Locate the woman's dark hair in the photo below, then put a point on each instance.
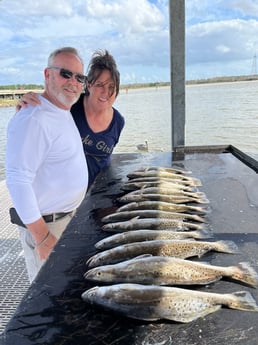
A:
(100, 61)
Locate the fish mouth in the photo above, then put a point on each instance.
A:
(90, 261)
(91, 273)
(88, 294)
(86, 275)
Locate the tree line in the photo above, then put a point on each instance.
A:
(21, 87)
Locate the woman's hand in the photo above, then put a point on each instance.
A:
(28, 98)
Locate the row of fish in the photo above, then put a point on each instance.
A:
(159, 227)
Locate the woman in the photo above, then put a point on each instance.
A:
(98, 122)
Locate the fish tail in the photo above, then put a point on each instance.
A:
(193, 194)
(196, 226)
(199, 209)
(200, 194)
(227, 247)
(245, 273)
(199, 218)
(242, 300)
(191, 181)
(187, 189)
(202, 234)
(201, 200)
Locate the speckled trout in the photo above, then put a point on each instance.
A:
(160, 270)
(152, 224)
(150, 179)
(162, 188)
(147, 195)
(149, 235)
(167, 190)
(168, 169)
(162, 206)
(166, 174)
(171, 187)
(176, 248)
(176, 184)
(151, 302)
(126, 215)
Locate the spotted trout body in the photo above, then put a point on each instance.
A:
(151, 302)
(175, 248)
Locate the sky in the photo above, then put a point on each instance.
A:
(221, 37)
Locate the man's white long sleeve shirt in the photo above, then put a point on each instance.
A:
(46, 170)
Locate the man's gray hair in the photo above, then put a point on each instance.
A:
(58, 51)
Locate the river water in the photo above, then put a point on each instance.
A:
(216, 114)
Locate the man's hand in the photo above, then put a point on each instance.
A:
(44, 240)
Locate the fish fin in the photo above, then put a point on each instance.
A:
(196, 226)
(202, 234)
(200, 209)
(199, 194)
(199, 218)
(134, 218)
(196, 182)
(242, 300)
(142, 256)
(245, 273)
(227, 247)
(202, 200)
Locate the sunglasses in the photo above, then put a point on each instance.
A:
(66, 74)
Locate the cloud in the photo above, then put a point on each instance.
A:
(245, 7)
(126, 17)
(224, 40)
(128, 29)
(221, 36)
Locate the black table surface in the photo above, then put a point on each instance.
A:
(52, 311)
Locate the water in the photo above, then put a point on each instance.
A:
(147, 115)
(223, 113)
(216, 114)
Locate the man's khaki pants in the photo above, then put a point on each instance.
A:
(32, 260)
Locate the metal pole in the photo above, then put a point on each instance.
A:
(177, 68)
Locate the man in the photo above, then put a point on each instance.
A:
(46, 171)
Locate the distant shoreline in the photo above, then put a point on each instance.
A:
(223, 79)
(5, 102)
(227, 79)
